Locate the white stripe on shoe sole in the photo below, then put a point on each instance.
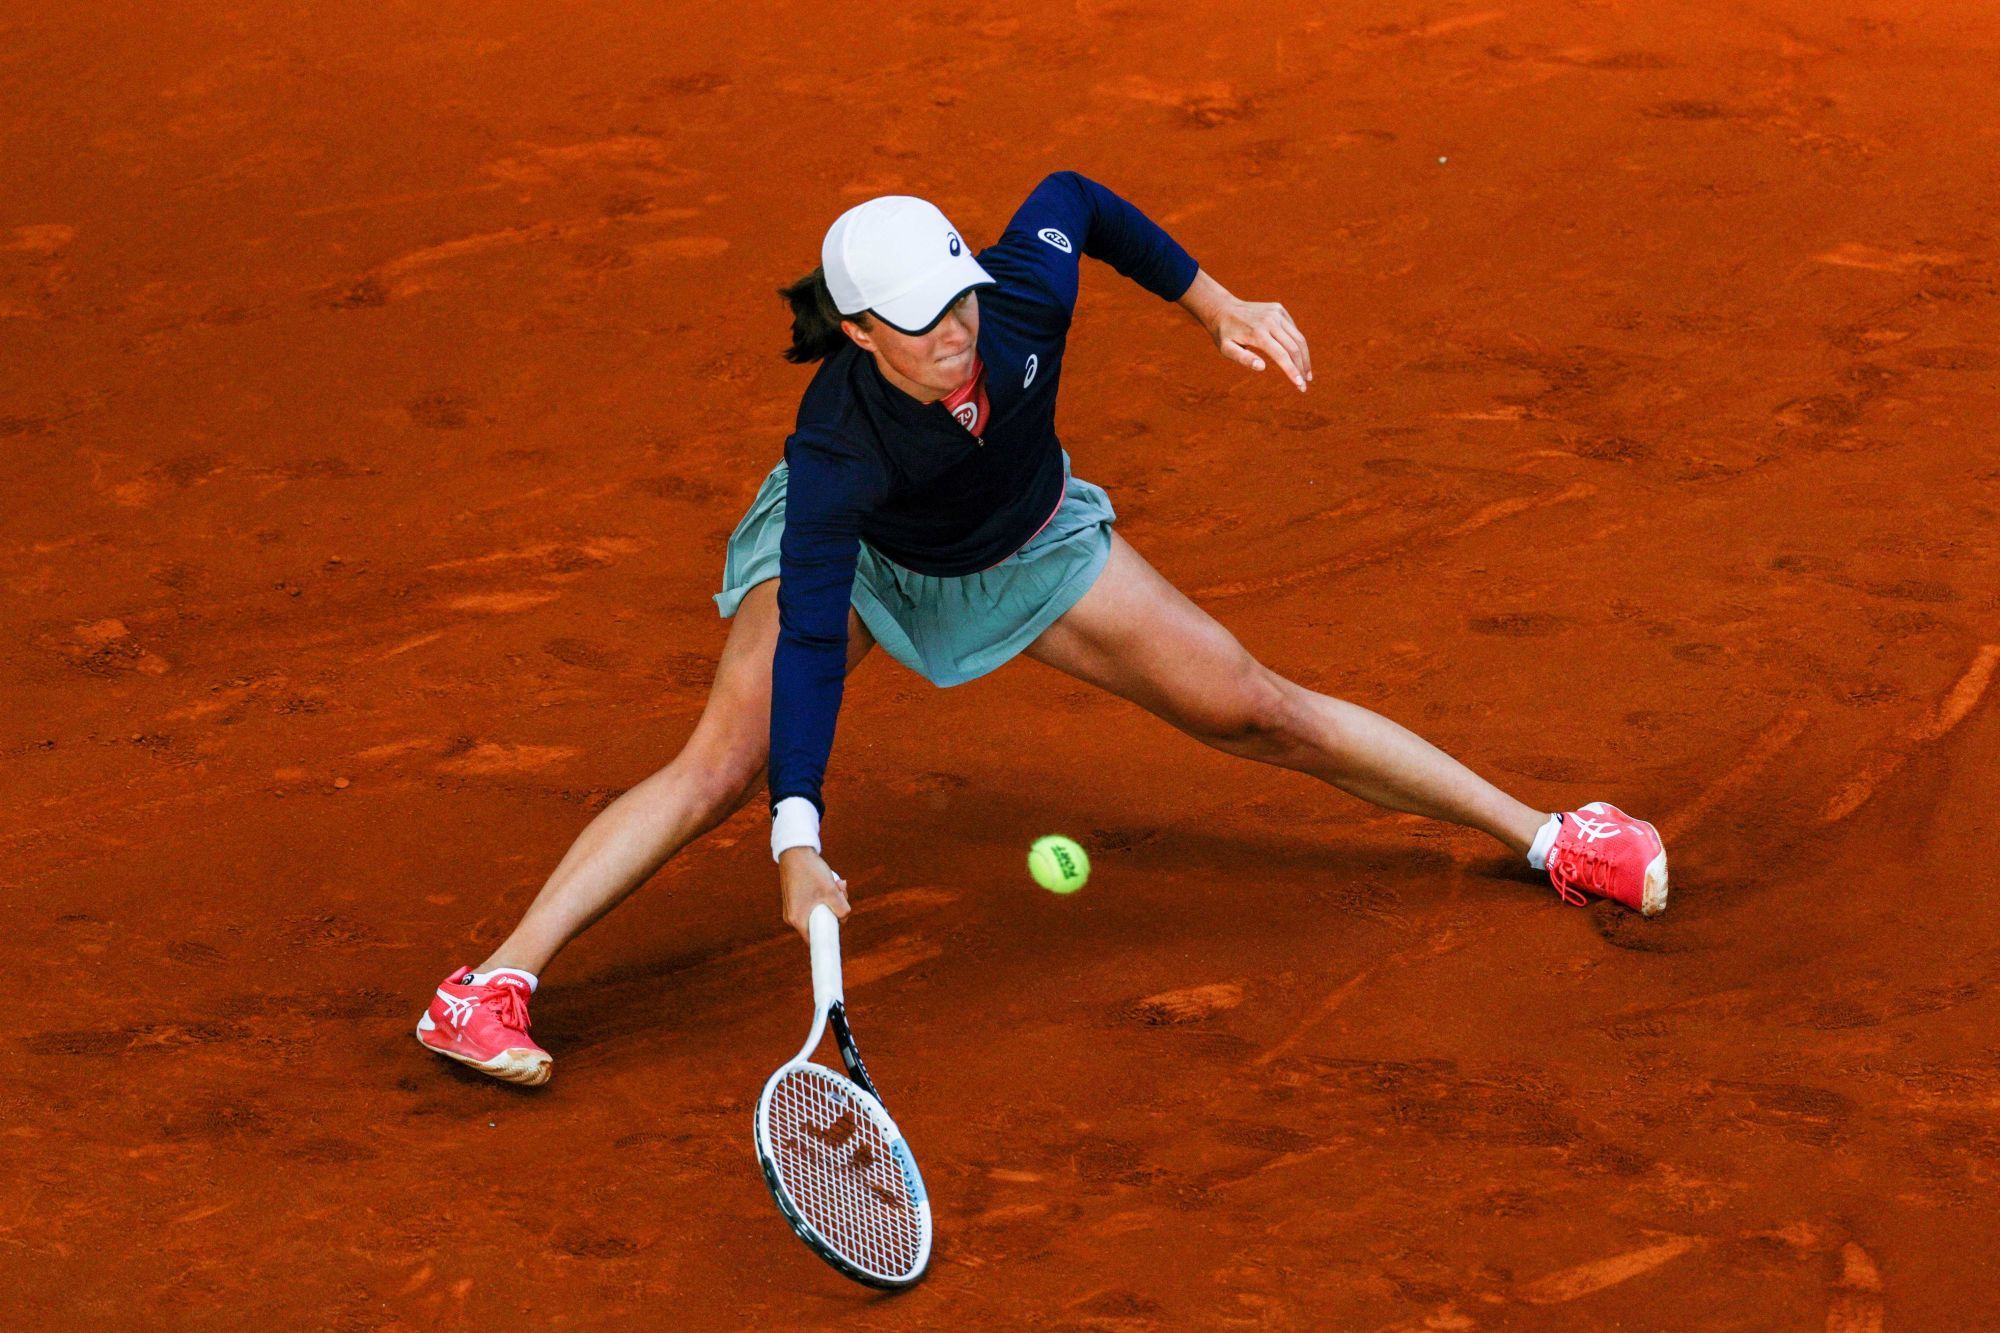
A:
(1653, 898)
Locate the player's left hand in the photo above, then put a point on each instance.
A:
(1252, 332)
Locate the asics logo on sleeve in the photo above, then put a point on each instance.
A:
(1057, 239)
(1034, 364)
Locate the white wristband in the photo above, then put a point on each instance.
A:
(794, 823)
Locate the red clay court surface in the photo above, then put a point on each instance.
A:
(381, 382)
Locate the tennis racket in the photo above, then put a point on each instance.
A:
(835, 1161)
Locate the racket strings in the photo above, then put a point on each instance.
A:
(842, 1172)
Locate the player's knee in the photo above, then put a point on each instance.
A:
(1250, 715)
(721, 781)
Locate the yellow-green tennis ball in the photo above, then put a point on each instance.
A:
(1058, 864)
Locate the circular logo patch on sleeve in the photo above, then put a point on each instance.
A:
(1057, 239)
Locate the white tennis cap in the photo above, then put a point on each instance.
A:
(900, 258)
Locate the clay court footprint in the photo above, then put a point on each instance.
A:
(493, 757)
(1191, 1005)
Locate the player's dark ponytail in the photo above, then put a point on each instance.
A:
(816, 331)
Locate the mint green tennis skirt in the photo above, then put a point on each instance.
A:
(947, 630)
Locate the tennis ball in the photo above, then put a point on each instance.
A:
(1058, 865)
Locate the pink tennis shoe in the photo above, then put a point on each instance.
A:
(1600, 851)
(486, 1026)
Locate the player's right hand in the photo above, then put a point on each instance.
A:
(804, 882)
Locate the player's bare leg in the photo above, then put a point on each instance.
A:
(1137, 636)
(720, 768)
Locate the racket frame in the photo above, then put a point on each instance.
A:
(830, 1010)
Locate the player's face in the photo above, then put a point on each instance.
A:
(925, 365)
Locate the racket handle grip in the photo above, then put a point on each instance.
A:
(823, 930)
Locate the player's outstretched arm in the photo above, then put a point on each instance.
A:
(1247, 332)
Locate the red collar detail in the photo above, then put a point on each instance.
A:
(967, 403)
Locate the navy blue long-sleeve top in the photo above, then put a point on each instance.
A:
(870, 463)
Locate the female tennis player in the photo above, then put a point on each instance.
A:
(924, 503)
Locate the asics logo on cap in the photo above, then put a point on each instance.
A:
(955, 246)
(1057, 239)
